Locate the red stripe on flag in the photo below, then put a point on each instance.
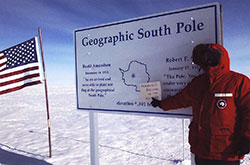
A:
(19, 87)
(3, 70)
(1, 57)
(19, 72)
(3, 64)
(19, 79)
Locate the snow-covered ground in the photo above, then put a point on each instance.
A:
(123, 139)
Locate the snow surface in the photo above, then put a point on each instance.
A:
(123, 139)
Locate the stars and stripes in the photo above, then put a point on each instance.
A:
(19, 66)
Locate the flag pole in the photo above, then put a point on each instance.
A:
(46, 92)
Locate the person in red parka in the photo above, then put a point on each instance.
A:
(219, 132)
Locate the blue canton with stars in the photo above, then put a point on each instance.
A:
(21, 54)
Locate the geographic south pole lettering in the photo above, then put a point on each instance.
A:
(142, 33)
(112, 60)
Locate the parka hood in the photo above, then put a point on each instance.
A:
(222, 66)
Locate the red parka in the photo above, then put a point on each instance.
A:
(220, 100)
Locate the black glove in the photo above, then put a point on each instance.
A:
(244, 147)
(155, 103)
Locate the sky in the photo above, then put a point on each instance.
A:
(59, 18)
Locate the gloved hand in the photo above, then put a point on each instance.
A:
(244, 147)
(155, 103)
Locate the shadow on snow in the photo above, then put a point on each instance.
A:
(10, 158)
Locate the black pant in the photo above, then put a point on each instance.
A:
(199, 161)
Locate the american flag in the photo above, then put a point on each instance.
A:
(19, 66)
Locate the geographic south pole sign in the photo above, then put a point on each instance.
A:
(112, 60)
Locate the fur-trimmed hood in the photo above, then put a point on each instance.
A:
(223, 65)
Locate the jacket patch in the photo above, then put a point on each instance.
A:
(221, 104)
(224, 129)
(223, 95)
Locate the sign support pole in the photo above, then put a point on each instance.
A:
(192, 155)
(183, 139)
(93, 130)
(46, 92)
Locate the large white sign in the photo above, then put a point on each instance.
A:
(112, 60)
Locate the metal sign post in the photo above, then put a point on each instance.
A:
(93, 130)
